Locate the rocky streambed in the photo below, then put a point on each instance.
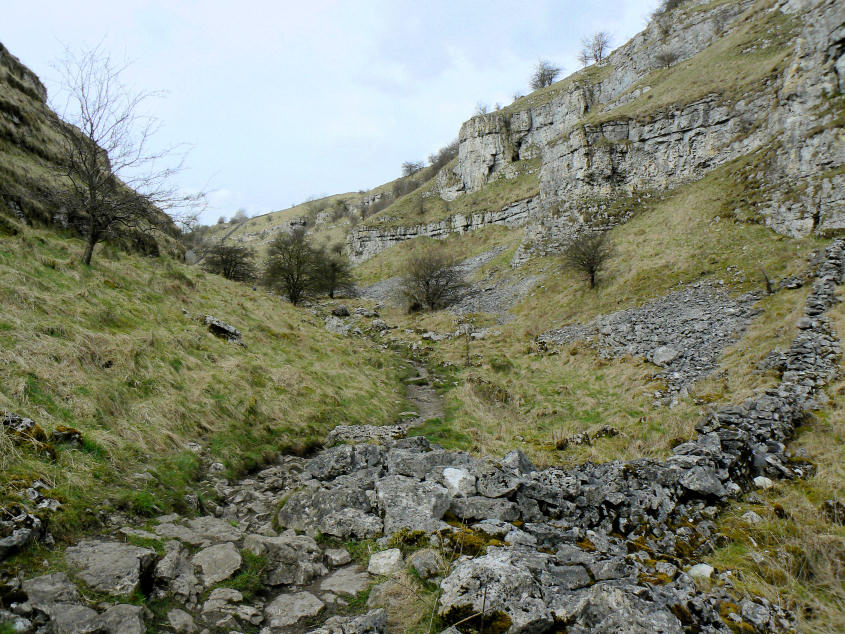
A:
(510, 547)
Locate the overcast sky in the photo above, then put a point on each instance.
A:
(284, 100)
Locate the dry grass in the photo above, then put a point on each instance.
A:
(497, 194)
(389, 262)
(796, 556)
(108, 350)
(757, 47)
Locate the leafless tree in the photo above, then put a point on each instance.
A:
(233, 262)
(411, 167)
(595, 48)
(544, 75)
(432, 279)
(588, 253)
(240, 216)
(666, 58)
(291, 265)
(439, 159)
(116, 181)
(480, 108)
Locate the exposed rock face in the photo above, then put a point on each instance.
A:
(680, 143)
(787, 122)
(366, 242)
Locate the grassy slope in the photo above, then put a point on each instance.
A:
(108, 350)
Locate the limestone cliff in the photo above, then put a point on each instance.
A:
(753, 85)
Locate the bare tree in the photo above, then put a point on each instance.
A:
(410, 168)
(432, 279)
(544, 75)
(595, 48)
(240, 216)
(116, 182)
(480, 108)
(439, 159)
(233, 262)
(588, 253)
(666, 58)
(290, 267)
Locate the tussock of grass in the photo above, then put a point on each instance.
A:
(109, 351)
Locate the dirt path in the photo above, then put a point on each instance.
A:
(426, 400)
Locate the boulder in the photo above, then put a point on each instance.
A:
(337, 557)
(288, 610)
(373, 622)
(111, 567)
(459, 482)
(221, 329)
(124, 619)
(354, 523)
(217, 563)
(482, 508)
(386, 562)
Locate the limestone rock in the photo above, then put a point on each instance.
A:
(426, 562)
(217, 563)
(110, 567)
(347, 581)
(288, 610)
(124, 619)
(181, 621)
(386, 562)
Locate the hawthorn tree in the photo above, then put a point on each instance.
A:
(544, 75)
(432, 279)
(588, 253)
(333, 274)
(233, 262)
(116, 182)
(291, 265)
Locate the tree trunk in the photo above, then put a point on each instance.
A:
(89, 249)
(592, 279)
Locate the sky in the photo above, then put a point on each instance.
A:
(280, 101)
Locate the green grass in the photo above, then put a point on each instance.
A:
(389, 262)
(757, 48)
(109, 351)
(497, 194)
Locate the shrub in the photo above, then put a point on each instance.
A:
(231, 261)
(544, 75)
(432, 280)
(588, 253)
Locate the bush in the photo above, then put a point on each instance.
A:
(432, 280)
(231, 261)
(544, 75)
(290, 267)
(333, 274)
(665, 58)
(588, 253)
(439, 159)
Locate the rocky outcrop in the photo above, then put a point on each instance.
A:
(788, 125)
(366, 242)
(684, 332)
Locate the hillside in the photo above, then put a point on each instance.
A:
(661, 453)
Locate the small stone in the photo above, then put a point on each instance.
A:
(762, 482)
(218, 562)
(338, 557)
(701, 571)
(181, 621)
(426, 562)
(386, 562)
(750, 517)
(287, 610)
(664, 355)
(347, 581)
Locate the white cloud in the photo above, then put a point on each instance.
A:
(286, 99)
